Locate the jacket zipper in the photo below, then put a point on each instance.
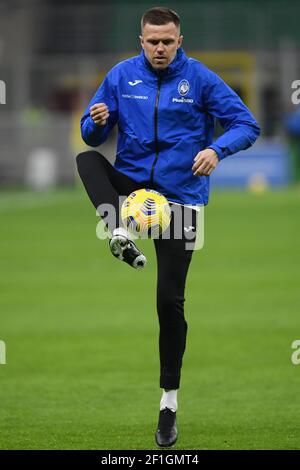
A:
(156, 129)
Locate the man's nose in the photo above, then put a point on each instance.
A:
(160, 47)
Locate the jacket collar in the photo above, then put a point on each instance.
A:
(172, 69)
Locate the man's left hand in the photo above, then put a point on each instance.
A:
(205, 162)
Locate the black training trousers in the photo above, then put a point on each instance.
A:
(104, 184)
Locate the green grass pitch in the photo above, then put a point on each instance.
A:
(81, 331)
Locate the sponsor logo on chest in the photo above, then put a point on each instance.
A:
(133, 96)
(183, 89)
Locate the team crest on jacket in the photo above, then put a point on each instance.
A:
(183, 87)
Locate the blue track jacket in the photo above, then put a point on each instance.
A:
(164, 119)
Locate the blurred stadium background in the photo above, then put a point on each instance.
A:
(81, 366)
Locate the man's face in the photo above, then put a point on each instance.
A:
(160, 43)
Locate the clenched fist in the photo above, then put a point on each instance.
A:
(205, 162)
(99, 113)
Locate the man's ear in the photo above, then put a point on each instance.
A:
(180, 41)
(142, 41)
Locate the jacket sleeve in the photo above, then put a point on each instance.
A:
(91, 133)
(241, 129)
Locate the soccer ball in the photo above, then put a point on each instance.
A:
(146, 213)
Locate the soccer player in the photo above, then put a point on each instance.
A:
(165, 105)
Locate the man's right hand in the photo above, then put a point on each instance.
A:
(99, 113)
